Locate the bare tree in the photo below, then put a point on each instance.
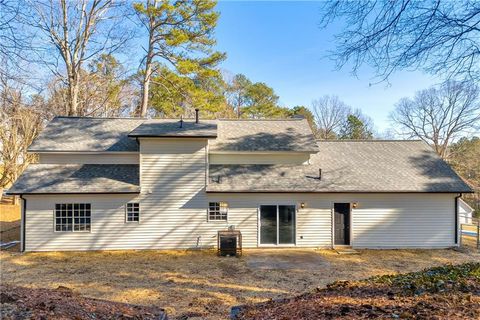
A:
(10, 41)
(66, 34)
(237, 91)
(439, 37)
(439, 115)
(330, 115)
(19, 125)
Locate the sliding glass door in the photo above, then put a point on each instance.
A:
(277, 224)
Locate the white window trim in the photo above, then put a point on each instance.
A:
(139, 213)
(73, 217)
(216, 220)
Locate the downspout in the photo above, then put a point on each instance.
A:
(456, 218)
(23, 223)
(139, 164)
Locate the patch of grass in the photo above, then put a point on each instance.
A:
(432, 280)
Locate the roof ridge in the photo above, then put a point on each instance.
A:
(367, 140)
(178, 119)
(280, 119)
(99, 118)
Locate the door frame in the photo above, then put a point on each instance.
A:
(277, 245)
(350, 222)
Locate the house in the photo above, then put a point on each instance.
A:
(116, 183)
(465, 212)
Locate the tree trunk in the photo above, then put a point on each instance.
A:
(145, 89)
(148, 63)
(72, 95)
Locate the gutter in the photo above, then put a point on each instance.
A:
(73, 192)
(456, 217)
(336, 192)
(23, 223)
(174, 136)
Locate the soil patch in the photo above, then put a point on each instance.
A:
(200, 284)
(64, 303)
(286, 260)
(450, 292)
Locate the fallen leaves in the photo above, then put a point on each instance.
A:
(64, 303)
(451, 292)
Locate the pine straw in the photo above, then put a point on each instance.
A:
(198, 283)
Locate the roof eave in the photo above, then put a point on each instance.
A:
(218, 151)
(81, 151)
(332, 191)
(59, 193)
(172, 136)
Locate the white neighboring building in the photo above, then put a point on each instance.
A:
(465, 212)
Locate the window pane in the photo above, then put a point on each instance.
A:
(215, 213)
(268, 224)
(286, 224)
(72, 216)
(133, 212)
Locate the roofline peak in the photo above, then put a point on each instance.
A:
(279, 119)
(100, 118)
(367, 140)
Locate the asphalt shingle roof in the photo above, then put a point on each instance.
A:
(87, 134)
(118, 134)
(264, 135)
(347, 166)
(78, 178)
(175, 128)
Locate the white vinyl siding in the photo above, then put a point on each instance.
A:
(260, 158)
(313, 222)
(174, 212)
(404, 221)
(78, 158)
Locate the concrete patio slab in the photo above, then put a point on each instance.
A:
(284, 259)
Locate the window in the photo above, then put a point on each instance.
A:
(72, 217)
(133, 212)
(217, 210)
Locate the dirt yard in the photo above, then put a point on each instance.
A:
(200, 284)
(446, 292)
(9, 222)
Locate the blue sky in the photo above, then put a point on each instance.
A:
(280, 43)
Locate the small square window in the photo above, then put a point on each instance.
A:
(133, 212)
(217, 211)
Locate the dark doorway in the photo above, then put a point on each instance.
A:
(342, 223)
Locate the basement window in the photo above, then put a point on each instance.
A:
(133, 212)
(217, 211)
(73, 217)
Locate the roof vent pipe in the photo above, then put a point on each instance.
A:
(196, 115)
